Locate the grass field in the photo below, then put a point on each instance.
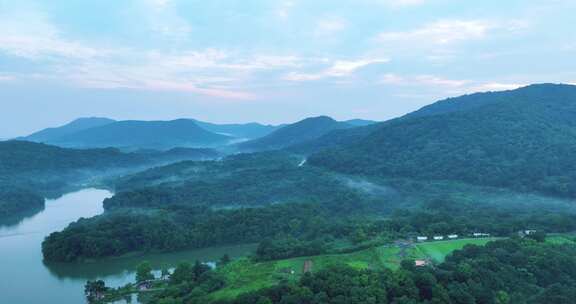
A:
(437, 251)
(561, 239)
(244, 275)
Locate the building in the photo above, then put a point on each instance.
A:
(420, 263)
(525, 233)
(479, 234)
(421, 238)
(438, 238)
(453, 236)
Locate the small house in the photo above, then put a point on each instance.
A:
(453, 236)
(420, 263)
(525, 233)
(438, 238)
(422, 238)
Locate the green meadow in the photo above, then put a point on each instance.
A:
(244, 275)
(437, 251)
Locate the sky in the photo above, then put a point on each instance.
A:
(270, 61)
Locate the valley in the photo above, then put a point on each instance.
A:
(296, 203)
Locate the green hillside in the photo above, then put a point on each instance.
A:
(293, 134)
(522, 139)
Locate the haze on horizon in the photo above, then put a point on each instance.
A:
(268, 61)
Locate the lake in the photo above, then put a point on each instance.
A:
(26, 279)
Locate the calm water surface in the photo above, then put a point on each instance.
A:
(26, 279)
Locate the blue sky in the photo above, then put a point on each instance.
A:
(269, 61)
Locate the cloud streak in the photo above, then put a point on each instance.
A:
(340, 68)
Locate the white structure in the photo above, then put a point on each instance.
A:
(479, 234)
(438, 238)
(453, 236)
(422, 238)
(420, 263)
(529, 232)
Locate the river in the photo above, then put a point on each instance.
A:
(26, 279)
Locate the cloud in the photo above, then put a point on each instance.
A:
(163, 19)
(339, 68)
(401, 3)
(30, 34)
(211, 72)
(439, 33)
(284, 9)
(445, 86)
(7, 77)
(425, 80)
(330, 26)
(495, 86)
(441, 41)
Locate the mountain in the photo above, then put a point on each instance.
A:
(296, 133)
(240, 131)
(523, 139)
(334, 138)
(143, 135)
(80, 124)
(360, 122)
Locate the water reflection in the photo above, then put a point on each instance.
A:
(33, 281)
(127, 265)
(17, 219)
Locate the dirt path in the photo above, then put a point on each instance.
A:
(307, 266)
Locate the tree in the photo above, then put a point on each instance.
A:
(502, 297)
(94, 290)
(538, 236)
(199, 268)
(182, 273)
(165, 273)
(144, 272)
(225, 259)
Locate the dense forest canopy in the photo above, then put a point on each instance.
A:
(523, 139)
(237, 181)
(17, 201)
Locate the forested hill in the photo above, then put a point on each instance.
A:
(144, 134)
(44, 168)
(525, 139)
(296, 133)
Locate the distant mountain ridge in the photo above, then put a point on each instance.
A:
(144, 134)
(80, 124)
(249, 130)
(360, 122)
(294, 134)
(103, 132)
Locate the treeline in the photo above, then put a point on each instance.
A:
(15, 201)
(175, 228)
(289, 230)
